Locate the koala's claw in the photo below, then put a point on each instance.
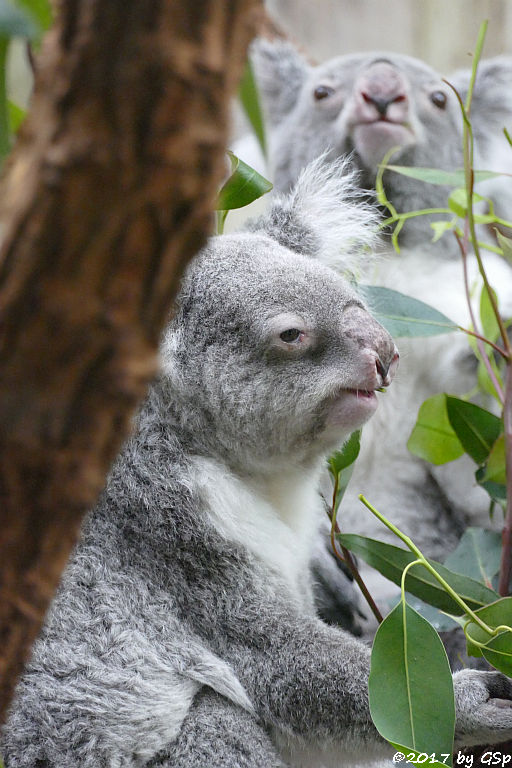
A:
(483, 705)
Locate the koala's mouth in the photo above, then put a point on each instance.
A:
(364, 393)
(373, 139)
(351, 408)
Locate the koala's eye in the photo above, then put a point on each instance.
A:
(439, 99)
(322, 92)
(291, 335)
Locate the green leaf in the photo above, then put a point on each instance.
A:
(437, 176)
(341, 465)
(410, 685)
(404, 316)
(16, 22)
(347, 455)
(249, 97)
(433, 438)
(441, 621)
(478, 555)
(440, 227)
(16, 116)
(497, 491)
(458, 201)
(39, 10)
(498, 650)
(390, 561)
(476, 428)
(505, 244)
(243, 186)
(490, 327)
(495, 469)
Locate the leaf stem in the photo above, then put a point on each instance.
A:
(424, 562)
(348, 559)
(498, 349)
(463, 245)
(506, 551)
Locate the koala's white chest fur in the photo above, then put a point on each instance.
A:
(275, 519)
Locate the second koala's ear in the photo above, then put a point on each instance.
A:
(280, 73)
(492, 96)
(326, 216)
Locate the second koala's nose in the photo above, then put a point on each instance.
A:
(381, 86)
(386, 368)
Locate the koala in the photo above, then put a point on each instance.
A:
(184, 632)
(361, 106)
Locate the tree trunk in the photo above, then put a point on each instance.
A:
(108, 193)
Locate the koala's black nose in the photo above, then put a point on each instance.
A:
(387, 368)
(380, 104)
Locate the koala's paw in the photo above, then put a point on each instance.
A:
(483, 705)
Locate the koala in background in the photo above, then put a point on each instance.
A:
(184, 633)
(363, 105)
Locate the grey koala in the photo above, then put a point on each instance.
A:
(361, 106)
(365, 104)
(184, 632)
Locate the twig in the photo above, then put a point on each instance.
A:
(479, 339)
(506, 551)
(348, 559)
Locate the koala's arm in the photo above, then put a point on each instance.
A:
(309, 682)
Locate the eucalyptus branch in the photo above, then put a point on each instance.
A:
(498, 349)
(481, 348)
(348, 559)
(468, 148)
(506, 560)
(422, 560)
(506, 399)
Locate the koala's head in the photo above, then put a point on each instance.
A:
(364, 104)
(271, 356)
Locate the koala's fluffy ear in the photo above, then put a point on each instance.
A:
(326, 216)
(280, 72)
(492, 95)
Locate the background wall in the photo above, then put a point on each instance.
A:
(441, 32)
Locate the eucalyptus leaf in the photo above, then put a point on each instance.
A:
(498, 652)
(433, 437)
(437, 176)
(249, 97)
(341, 465)
(505, 244)
(497, 491)
(39, 10)
(16, 116)
(441, 621)
(391, 561)
(404, 316)
(346, 455)
(498, 649)
(490, 327)
(409, 707)
(243, 186)
(440, 227)
(476, 428)
(495, 469)
(477, 555)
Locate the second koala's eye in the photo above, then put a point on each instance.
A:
(322, 92)
(439, 99)
(291, 335)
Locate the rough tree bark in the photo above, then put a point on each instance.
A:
(109, 192)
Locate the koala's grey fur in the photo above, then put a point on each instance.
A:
(431, 504)
(184, 632)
